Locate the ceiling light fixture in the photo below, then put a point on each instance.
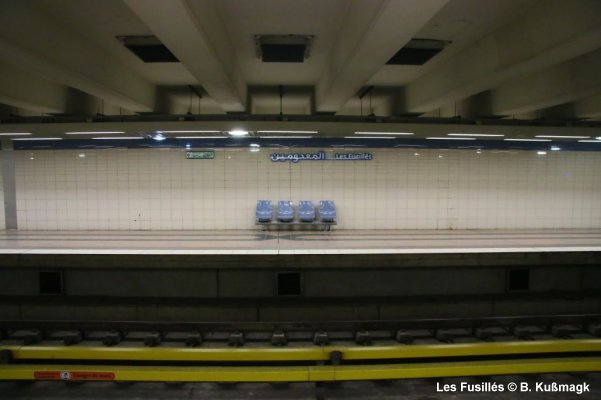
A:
(201, 137)
(541, 153)
(287, 131)
(39, 138)
(476, 134)
(368, 137)
(590, 141)
(188, 131)
(238, 133)
(528, 140)
(285, 137)
(555, 148)
(15, 133)
(384, 133)
(450, 138)
(118, 138)
(562, 137)
(94, 133)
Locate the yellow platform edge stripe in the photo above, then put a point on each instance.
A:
(308, 373)
(309, 353)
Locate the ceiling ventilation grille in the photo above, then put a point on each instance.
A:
(149, 49)
(418, 52)
(283, 48)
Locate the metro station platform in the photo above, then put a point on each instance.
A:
(298, 275)
(300, 242)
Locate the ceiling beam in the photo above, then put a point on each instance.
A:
(370, 35)
(179, 99)
(63, 56)
(210, 59)
(576, 79)
(21, 89)
(589, 108)
(5, 110)
(552, 32)
(270, 99)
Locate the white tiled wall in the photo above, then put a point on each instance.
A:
(2, 216)
(133, 189)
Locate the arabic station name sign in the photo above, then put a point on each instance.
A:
(320, 156)
(200, 155)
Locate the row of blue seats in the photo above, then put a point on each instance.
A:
(306, 211)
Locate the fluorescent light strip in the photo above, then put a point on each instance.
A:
(94, 133)
(238, 133)
(39, 138)
(562, 137)
(188, 131)
(287, 131)
(384, 133)
(368, 137)
(285, 137)
(15, 133)
(475, 134)
(201, 137)
(117, 138)
(450, 138)
(528, 140)
(590, 141)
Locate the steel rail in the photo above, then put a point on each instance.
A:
(267, 326)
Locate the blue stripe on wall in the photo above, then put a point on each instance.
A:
(315, 142)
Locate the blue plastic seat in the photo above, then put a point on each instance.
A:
(285, 211)
(306, 211)
(327, 211)
(264, 211)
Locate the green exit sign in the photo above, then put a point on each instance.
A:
(200, 155)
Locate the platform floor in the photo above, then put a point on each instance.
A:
(298, 242)
(410, 389)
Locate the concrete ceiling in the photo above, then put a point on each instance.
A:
(506, 58)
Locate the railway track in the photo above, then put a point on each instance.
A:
(154, 333)
(269, 352)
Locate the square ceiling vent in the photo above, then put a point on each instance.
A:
(149, 49)
(418, 52)
(283, 48)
